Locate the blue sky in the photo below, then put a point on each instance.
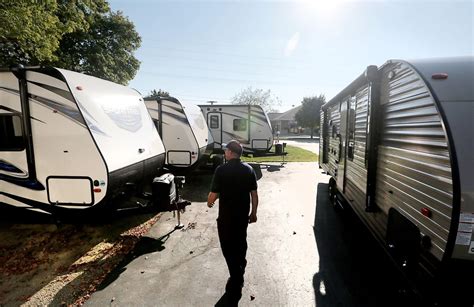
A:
(211, 50)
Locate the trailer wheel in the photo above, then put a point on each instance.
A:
(332, 189)
(403, 238)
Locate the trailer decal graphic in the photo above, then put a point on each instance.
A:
(182, 119)
(63, 109)
(175, 109)
(125, 116)
(246, 117)
(26, 183)
(63, 93)
(5, 166)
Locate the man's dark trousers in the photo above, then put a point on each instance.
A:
(233, 239)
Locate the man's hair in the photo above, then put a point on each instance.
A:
(235, 147)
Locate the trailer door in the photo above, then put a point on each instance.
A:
(214, 121)
(341, 162)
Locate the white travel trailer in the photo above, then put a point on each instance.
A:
(247, 124)
(398, 143)
(68, 140)
(182, 127)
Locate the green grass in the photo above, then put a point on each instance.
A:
(295, 154)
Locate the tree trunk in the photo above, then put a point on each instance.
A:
(312, 131)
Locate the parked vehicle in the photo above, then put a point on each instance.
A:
(247, 124)
(397, 143)
(68, 140)
(183, 129)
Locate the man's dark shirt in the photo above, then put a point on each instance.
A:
(234, 181)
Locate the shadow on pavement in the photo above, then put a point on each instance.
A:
(269, 167)
(92, 216)
(354, 270)
(145, 245)
(197, 186)
(13, 215)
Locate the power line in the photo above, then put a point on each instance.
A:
(201, 68)
(202, 60)
(220, 79)
(259, 57)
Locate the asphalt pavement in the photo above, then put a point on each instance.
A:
(301, 253)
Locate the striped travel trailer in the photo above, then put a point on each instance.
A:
(72, 141)
(183, 130)
(398, 145)
(248, 124)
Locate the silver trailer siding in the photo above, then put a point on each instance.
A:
(398, 144)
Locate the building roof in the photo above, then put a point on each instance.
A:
(272, 116)
(288, 115)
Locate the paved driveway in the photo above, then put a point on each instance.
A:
(301, 253)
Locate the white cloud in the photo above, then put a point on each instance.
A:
(292, 44)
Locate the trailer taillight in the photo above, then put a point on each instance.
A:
(97, 190)
(426, 212)
(439, 76)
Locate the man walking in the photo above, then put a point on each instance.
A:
(234, 183)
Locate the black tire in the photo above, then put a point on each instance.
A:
(332, 190)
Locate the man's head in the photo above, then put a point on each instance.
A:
(233, 150)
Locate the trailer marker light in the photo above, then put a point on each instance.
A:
(97, 190)
(79, 88)
(426, 212)
(439, 76)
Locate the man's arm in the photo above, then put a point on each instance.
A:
(253, 213)
(211, 199)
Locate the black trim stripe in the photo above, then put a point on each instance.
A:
(10, 90)
(237, 117)
(10, 110)
(183, 120)
(179, 110)
(60, 92)
(32, 203)
(63, 109)
(6, 166)
(15, 111)
(236, 137)
(28, 183)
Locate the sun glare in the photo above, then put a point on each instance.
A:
(323, 8)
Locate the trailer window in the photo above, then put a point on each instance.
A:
(240, 124)
(11, 134)
(214, 122)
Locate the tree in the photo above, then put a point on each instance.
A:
(84, 36)
(157, 94)
(30, 31)
(257, 97)
(308, 115)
